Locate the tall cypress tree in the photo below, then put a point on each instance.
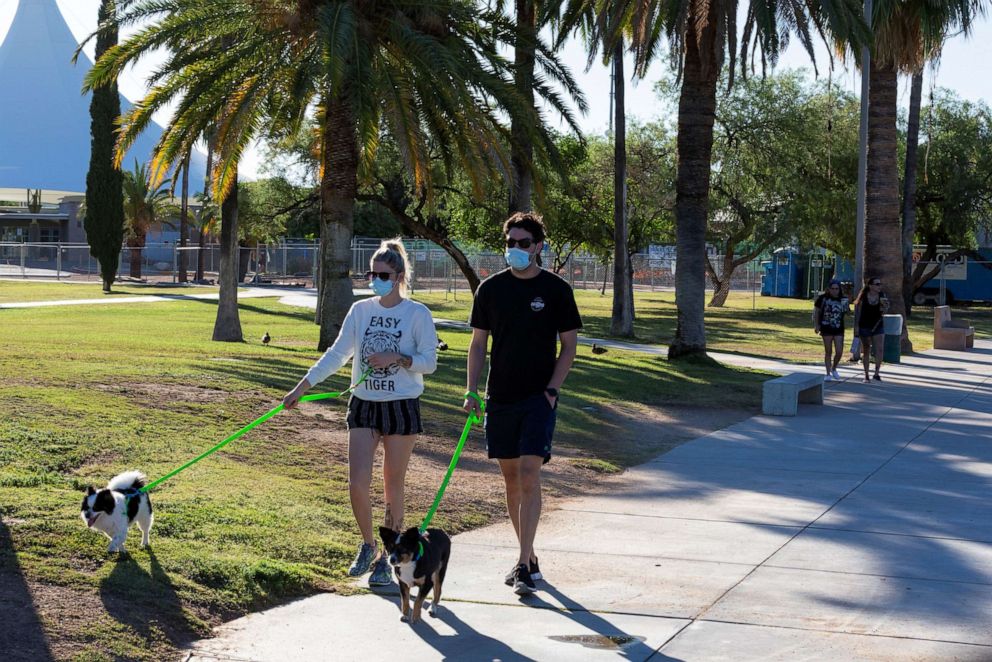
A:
(104, 221)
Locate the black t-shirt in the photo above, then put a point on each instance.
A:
(524, 316)
(832, 312)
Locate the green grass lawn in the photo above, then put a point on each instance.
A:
(12, 291)
(761, 326)
(89, 391)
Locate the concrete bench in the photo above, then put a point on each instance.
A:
(781, 396)
(948, 334)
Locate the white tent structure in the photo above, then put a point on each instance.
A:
(44, 117)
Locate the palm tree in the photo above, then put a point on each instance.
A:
(907, 33)
(702, 34)
(909, 189)
(531, 55)
(427, 72)
(144, 206)
(592, 18)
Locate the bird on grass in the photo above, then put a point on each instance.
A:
(266, 338)
(596, 349)
(441, 345)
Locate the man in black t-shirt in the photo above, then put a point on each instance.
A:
(528, 311)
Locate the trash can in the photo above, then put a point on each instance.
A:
(892, 325)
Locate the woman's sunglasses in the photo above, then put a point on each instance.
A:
(522, 243)
(381, 275)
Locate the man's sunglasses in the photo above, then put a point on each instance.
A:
(381, 275)
(522, 243)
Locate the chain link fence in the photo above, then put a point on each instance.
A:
(297, 262)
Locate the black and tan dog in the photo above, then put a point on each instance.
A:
(417, 560)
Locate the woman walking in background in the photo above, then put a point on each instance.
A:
(869, 307)
(828, 319)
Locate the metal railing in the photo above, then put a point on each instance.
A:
(432, 268)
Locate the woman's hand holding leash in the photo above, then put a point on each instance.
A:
(292, 398)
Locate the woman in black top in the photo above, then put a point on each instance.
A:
(869, 307)
(829, 311)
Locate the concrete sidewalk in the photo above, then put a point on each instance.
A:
(859, 530)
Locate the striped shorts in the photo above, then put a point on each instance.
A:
(387, 418)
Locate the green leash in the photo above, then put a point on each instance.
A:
(258, 421)
(472, 418)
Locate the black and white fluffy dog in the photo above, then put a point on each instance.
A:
(113, 509)
(417, 560)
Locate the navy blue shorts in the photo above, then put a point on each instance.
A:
(520, 428)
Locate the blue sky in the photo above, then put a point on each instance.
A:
(961, 69)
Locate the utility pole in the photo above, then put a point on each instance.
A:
(859, 251)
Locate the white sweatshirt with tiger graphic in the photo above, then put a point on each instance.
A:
(369, 328)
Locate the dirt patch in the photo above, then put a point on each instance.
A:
(164, 393)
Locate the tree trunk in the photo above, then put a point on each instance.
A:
(622, 323)
(697, 109)
(227, 327)
(200, 256)
(183, 220)
(418, 227)
(521, 148)
(136, 244)
(722, 281)
(338, 191)
(883, 231)
(909, 190)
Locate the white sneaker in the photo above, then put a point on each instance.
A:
(828, 378)
(836, 376)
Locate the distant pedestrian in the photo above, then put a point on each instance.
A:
(869, 307)
(829, 311)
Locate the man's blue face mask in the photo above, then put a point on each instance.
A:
(517, 258)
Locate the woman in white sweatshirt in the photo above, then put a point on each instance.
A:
(395, 337)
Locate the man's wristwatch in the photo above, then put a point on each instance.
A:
(553, 392)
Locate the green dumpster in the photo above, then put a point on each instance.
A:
(892, 325)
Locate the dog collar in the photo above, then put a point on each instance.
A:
(420, 547)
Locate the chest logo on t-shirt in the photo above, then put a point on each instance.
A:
(537, 305)
(380, 340)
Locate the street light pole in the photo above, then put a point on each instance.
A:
(859, 252)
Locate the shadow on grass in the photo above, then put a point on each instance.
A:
(147, 602)
(22, 636)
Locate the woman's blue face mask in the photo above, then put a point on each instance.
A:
(381, 287)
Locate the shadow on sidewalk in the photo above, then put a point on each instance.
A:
(455, 647)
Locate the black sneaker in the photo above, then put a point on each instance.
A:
(522, 582)
(535, 574)
(877, 378)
